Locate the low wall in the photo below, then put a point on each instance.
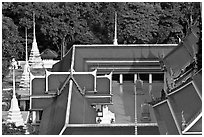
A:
(47, 63)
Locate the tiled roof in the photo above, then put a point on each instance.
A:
(49, 54)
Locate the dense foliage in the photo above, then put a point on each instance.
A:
(91, 23)
(11, 129)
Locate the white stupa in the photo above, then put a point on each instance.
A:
(115, 41)
(14, 114)
(35, 60)
(25, 80)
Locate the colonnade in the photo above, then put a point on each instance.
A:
(135, 78)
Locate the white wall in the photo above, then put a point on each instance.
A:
(47, 63)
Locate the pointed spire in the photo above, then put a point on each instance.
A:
(34, 37)
(25, 79)
(34, 58)
(26, 45)
(115, 42)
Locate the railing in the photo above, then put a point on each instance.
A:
(179, 86)
(193, 118)
(157, 100)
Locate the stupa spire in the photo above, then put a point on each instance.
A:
(115, 42)
(26, 45)
(34, 36)
(25, 76)
(34, 58)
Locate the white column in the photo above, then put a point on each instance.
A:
(34, 116)
(24, 105)
(37, 115)
(121, 78)
(150, 78)
(14, 84)
(150, 86)
(136, 132)
(135, 78)
(26, 47)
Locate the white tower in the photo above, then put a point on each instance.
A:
(14, 114)
(34, 59)
(25, 76)
(115, 41)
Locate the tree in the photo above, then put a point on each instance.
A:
(11, 129)
(11, 42)
(93, 22)
(169, 26)
(176, 19)
(139, 22)
(191, 12)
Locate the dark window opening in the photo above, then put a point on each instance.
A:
(144, 77)
(158, 77)
(20, 106)
(115, 77)
(40, 115)
(128, 77)
(27, 105)
(19, 103)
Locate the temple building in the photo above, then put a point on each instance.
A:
(179, 110)
(90, 78)
(130, 89)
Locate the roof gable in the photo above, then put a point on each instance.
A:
(49, 54)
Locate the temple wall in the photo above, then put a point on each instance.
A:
(46, 63)
(38, 86)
